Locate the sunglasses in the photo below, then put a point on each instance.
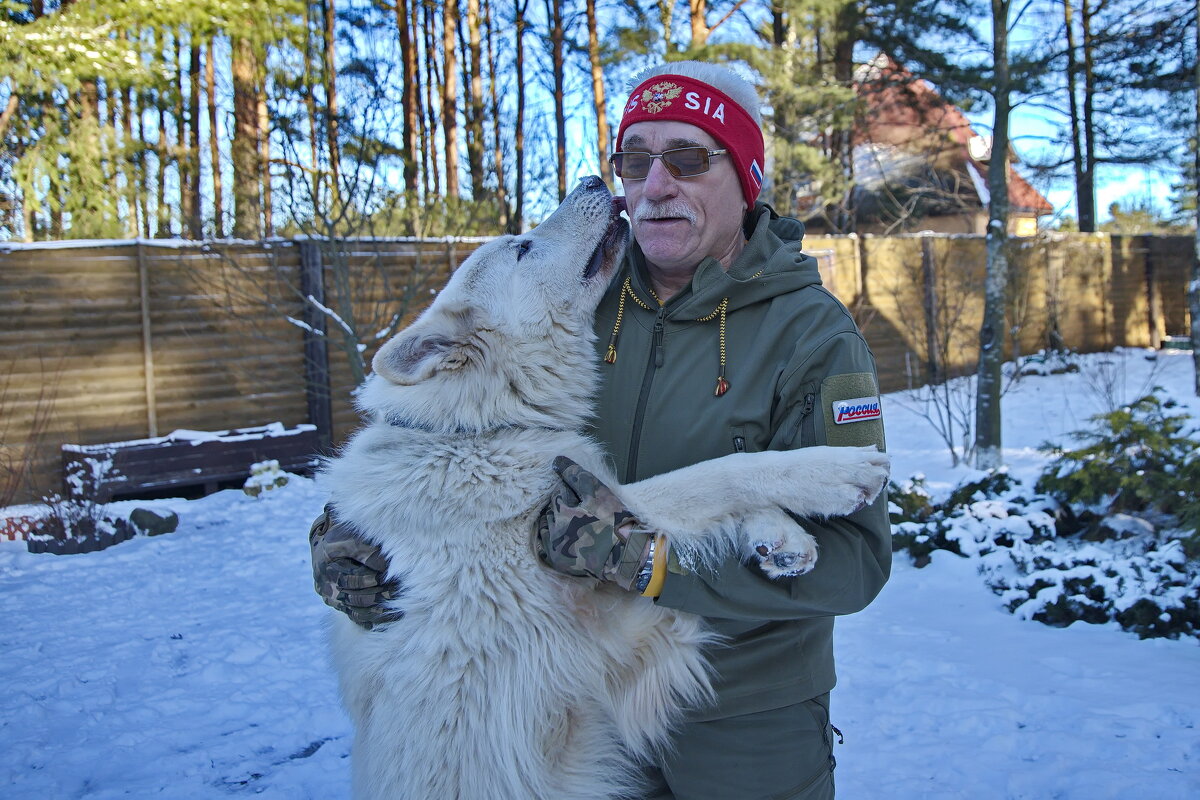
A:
(682, 162)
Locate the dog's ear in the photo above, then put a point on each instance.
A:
(414, 356)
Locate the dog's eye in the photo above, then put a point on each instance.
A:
(523, 248)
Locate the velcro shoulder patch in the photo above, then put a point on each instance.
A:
(856, 410)
(851, 408)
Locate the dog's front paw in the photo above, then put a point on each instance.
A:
(851, 478)
(779, 545)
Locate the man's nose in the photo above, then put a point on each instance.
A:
(660, 183)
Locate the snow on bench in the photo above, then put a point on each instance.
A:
(183, 459)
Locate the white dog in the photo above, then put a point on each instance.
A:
(504, 679)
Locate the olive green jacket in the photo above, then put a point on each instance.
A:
(791, 350)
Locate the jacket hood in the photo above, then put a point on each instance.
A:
(770, 264)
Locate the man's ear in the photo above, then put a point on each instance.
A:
(414, 356)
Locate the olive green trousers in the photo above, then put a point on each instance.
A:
(779, 754)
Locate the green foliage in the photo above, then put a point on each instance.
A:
(805, 100)
(68, 48)
(1139, 460)
(915, 528)
(1112, 535)
(1029, 551)
(77, 168)
(405, 214)
(992, 484)
(981, 515)
(1147, 588)
(68, 70)
(1140, 215)
(113, 42)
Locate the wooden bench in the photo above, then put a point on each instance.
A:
(184, 460)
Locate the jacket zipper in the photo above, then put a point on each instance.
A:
(656, 361)
(808, 428)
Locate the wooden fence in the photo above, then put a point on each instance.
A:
(115, 341)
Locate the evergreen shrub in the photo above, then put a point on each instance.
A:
(1109, 534)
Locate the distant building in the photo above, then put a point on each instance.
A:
(918, 165)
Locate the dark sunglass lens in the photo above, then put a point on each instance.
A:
(687, 161)
(631, 165)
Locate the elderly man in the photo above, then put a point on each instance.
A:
(716, 337)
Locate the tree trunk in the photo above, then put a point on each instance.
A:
(316, 175)
(247, 209)
(841, 144)
(666, 14)
(10, 110)
(1194, 286)
(331, 104)
(554, 11)
(183, 167)
(129, 163)
(214, 147)
(429, 153)
(264, 160)
(698, 9)
(1087, 222)
(1087, 197)
(195, 221)
(497, 148)
(598, 92)
(142, 160)
(988, 450)
(162, 228)
(475, 144)
(518, 217)
(450, 96)
(410, 98)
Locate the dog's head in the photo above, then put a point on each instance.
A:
(509, 339)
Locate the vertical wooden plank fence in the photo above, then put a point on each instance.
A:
(116, 341)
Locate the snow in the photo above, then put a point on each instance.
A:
(208, 244)
(269, 431)
(193, 665)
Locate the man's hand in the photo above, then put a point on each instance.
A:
(585, 530)
(348, 573)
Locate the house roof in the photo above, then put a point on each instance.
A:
(912, 124)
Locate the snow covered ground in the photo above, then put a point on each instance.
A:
(193, 665)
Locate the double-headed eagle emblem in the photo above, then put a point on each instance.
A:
(659, 96)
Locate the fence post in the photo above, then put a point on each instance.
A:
(147, 342)
(317, 385)
(1158, 327)
(929, 280)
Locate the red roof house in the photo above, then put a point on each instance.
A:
(918, 164)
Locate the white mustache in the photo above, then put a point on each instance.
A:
(650, 209)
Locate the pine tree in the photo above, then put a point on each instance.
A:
(1123, 60)
(125, 122)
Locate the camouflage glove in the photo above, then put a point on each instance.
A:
(585, 530)
(348, 573)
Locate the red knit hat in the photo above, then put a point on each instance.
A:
(683, 99)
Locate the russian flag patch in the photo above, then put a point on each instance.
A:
(856, 410)
(756, 172)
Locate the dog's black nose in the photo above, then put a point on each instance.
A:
(591, 182)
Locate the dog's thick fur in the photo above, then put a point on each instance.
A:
(505, 679)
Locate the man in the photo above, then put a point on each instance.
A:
(717, 337)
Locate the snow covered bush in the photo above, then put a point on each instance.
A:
(73, 525)
(264, 476)
(980, 515)
(1139, 461)
(1033, 551)
(1048, 362)
(1147, 587)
